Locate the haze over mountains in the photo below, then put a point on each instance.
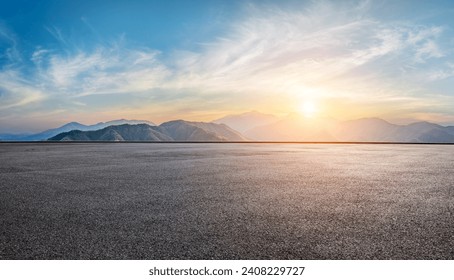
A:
(44, 135)
(251, 126)
(169, 131)
(246, 121)
(295, 127)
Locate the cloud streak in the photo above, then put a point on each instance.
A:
(16, 92)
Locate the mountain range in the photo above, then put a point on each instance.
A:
(169, 131)
(250, 126)
(246, 121)
(44, 135)
(295, 127)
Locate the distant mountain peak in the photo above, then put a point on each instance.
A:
(424, 123)
(245, 121)
(44, 135)
(371, 119)
(178, 130)
(73, 123)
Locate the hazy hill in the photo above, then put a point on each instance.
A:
(367, 129)
(426, 132)
(449, 129)
(54, 131)
(374, 129)
(295, 128)
(72, 126)
(200, 131)
(247, 121)
(169, 131)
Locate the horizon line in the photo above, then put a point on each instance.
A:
(231, 142)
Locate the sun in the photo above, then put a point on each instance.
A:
(308, 109)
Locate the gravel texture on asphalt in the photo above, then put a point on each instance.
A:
(226, 201)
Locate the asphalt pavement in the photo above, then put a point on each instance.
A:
(226, 201)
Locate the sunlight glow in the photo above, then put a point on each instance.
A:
(308, 109)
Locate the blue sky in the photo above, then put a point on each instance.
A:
(92, 61)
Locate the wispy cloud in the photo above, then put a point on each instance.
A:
(447, 71)
(106, 71)
(11, 52)
(423, 40)
(38, 56)
(314, 50)
(428, 50)
(17, 92)
(57, 34)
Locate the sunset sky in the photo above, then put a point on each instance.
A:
(91, 61)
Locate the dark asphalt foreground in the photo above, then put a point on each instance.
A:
(226, 201)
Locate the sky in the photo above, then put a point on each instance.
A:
(92, 61)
